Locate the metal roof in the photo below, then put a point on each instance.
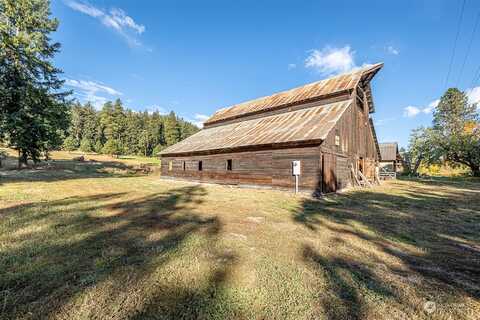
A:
(388, 151)
(300, 126)
(310, 92)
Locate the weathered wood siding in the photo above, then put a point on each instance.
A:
(355, 142)
(264, 168)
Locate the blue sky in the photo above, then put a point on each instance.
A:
(194, 57)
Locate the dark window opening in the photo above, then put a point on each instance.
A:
(200, 165)
(229, 165)
(184, 166)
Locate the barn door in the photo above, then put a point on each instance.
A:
(329, 178)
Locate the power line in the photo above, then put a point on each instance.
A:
(455, 43)
(476, 77)
(469, 47)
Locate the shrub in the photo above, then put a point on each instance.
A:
(70, 144)
(86, 145)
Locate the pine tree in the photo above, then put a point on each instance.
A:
(33, 112)
(173, 133)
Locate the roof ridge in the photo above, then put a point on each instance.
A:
(257, 106)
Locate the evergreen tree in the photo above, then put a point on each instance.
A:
(33, 111)
(173, 133)
(112, 147)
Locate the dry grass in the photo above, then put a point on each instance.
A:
(92, 244)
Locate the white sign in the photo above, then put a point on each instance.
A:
(296, 168)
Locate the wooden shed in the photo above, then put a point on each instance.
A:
(391, 161)
(324, 125)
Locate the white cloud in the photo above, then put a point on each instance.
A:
(291, 66)
(431, 106)
(329, 60)
(115, 19)
(85, 8)
(92, 91)
(91, 86)
(392, 50)
(198, 119)
(411, 111)
(119, 20)
(474, 95)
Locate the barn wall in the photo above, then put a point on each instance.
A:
(356, 141)
(264, 168)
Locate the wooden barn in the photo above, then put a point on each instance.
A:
(324, 127)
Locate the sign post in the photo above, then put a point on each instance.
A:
(296, 172)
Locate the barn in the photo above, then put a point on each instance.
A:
(324, 127)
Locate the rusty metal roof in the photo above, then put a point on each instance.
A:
(310, 92)
(300, 126)
(389, 151)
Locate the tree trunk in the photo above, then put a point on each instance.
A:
(417, 165)
(22, 159)
(475, 170)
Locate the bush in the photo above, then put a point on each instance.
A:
(70, 144)
(112, 147)
(86, 145)
(98, 146)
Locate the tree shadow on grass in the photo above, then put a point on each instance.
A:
(343, 278)
(442, 227)
(59, 170)
(61, 249)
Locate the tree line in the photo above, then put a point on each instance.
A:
(453, 137)
(36, 115)
(117, 130)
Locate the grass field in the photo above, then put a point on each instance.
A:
(95, 241)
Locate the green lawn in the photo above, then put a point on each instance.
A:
(96, 241)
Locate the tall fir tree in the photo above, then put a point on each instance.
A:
(33, 110)
(173, 133)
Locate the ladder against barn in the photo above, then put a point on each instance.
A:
(362, 181)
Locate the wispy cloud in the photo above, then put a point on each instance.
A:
(291, 66)
(431, 106)
(198, 119)
(115, 19)
(392, 50)
(91, 91)
(473, 95)
(412, 111)
(330, 60)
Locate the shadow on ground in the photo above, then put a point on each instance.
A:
(443, 225)
(66, 249)
(57, 170)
